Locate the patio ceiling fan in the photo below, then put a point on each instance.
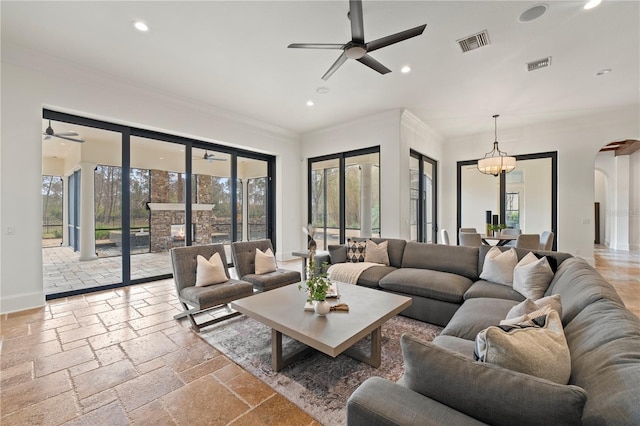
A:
(49, 133)
(357, 48)
(209, 157)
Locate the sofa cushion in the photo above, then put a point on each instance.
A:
(604, 341)
(489, 393)
(427, 283)
(372, 276)
(475, 315)
(437, 257)
(529, 306)
(456, 344)
(579, 285)
(537, 347)
(488, 289)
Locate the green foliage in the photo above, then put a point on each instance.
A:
(317, 286)
(102, 234)
(497, 227)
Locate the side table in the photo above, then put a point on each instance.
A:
(304, 254)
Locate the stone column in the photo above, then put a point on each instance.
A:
(87, 212)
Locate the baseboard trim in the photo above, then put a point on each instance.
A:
(21, 302)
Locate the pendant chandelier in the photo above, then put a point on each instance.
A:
(496, 161)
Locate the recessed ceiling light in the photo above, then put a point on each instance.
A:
(405, 69)
(323, 90)
(603, 72)
(591, 4)
(310, 103)
(140, 26)
(533, 13)
(62, 143)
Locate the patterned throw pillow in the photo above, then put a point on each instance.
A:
(356, 251)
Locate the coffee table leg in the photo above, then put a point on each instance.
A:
(278, 359)
(374, 359)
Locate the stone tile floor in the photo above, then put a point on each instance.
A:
(118, 357)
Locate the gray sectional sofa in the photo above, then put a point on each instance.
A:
(443, 385)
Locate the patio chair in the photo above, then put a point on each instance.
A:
(244, 260)
(528, 241)
(546, 240)
(199, 299)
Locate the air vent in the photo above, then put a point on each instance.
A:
(540, 63)
(475, 41)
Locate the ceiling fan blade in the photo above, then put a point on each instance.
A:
(67, 134)
(316, 46)
(341, 60)
(46, 137)
(357, 26)
(395, 38)
(69, 139)
(373, 64)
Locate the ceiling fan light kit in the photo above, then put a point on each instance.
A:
(496, 161)
(357, 48)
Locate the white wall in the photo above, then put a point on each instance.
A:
(620, 187)
(600, 196)
(396, 132)
(31, 82)
(577, 142)
(634, 201)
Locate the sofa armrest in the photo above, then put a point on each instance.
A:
(487, 392)
(382, 402)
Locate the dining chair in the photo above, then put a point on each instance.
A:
(444, 237)
(470, 239)
(468, 230)
(546, 240)
(528, 241)
(510, 231)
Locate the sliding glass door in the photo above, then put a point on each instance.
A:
(344, 196)
(132, 195)
(423, 175)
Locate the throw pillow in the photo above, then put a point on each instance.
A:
(532, 276)
(337, 253)
(210, 272)
(553, 262)
(376, 253)
(539, 349)
(265, 262)
(527, 306)
(498, 266)
(356, 251)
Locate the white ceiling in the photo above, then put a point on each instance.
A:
(233, 55)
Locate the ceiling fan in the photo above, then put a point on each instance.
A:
(209, 157)
(49, 133)
(356, 48)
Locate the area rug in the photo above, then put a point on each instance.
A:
(318, 384)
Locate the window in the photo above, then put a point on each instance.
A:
(344, 196)
(423, 197)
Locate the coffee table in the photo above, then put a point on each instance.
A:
(282, 309)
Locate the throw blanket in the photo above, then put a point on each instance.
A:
(348, 272)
